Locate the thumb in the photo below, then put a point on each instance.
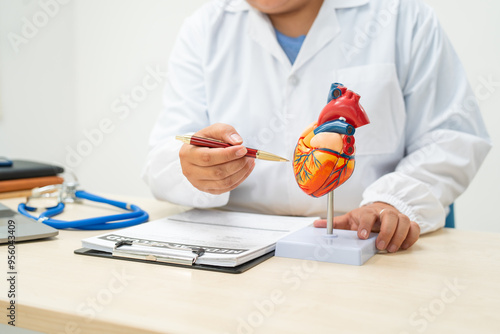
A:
(341, 222)
(221, 131)
(320, 223)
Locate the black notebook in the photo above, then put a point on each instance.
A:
(21, 169)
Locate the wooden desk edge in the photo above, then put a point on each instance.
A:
(45, 321)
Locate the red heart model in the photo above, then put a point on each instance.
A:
(324, 155)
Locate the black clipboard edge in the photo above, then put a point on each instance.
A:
(228, 270)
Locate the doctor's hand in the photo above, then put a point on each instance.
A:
(216, 170)
(396, 231)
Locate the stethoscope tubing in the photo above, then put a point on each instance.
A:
(135, 215)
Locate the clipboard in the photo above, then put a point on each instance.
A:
(213, 240)
(228, 270)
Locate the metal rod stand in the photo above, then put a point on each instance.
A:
(329, 213)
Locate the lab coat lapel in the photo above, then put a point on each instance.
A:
(261, 30)
(324, 29)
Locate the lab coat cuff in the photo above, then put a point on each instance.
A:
(409, 196)
(400, 205)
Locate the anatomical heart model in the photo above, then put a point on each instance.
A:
(324, 155)
(323, 160)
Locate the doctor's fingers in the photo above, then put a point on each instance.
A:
(365, 219)
(204, 156)
(412, 236)
(221, 131)
(394, 230)
(220, 186)
(218, 172)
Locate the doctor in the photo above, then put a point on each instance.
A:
(257, 72)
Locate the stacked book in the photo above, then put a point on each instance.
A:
(19, 177)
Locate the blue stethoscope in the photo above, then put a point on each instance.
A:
(53, 199)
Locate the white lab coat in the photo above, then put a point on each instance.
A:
(426, 139)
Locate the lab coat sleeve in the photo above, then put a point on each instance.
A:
(184, 112)
(445, 138)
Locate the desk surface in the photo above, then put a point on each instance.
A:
(447, 282)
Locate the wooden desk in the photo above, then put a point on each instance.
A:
(447, 283)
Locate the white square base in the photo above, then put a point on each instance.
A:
(342, 246)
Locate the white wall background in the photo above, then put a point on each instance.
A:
(79, 80)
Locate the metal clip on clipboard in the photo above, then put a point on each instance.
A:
(185, 257)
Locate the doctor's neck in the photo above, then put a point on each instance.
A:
(290, 17)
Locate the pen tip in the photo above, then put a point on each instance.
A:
(184, 138)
